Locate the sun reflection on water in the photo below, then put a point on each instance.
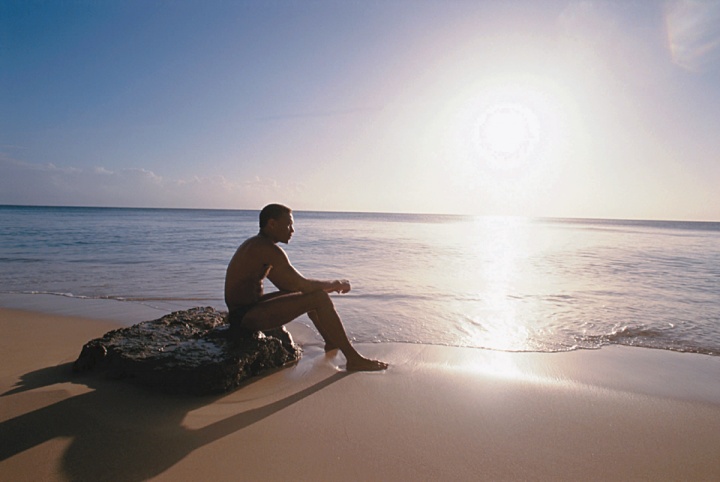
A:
(500, 323)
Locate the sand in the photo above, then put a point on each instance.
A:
(438, 413)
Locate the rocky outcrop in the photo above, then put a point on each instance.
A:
(187, 351)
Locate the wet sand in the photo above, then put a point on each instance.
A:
(438, 413)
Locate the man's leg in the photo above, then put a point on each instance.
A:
(316, 321)
(280, 310)
(311, 314)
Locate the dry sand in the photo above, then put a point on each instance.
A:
(438, 413)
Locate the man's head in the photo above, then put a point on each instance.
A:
(276, 222)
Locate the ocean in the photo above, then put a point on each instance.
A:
(500, 283)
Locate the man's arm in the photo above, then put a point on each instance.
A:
(286, 278)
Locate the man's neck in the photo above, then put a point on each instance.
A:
(269, 237)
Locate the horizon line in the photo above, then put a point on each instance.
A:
(458, 215)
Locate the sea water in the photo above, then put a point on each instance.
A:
(500, 283)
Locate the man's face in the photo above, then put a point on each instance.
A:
(284, 228)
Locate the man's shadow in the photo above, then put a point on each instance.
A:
(120, 431)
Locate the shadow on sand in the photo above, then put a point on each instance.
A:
(120, 431)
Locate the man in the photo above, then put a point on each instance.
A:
(260, 257)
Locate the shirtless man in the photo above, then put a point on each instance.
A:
(260, 257)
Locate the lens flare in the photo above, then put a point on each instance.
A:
(507, 136)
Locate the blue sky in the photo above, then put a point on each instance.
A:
(554, 108)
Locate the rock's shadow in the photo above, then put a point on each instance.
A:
(121, 431)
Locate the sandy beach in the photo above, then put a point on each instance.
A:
(438, 413)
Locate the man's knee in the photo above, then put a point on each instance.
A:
(320, 298)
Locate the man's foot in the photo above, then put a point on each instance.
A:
(365, 365)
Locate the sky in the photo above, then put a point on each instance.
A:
(595, 109)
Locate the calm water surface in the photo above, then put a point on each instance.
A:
(500, 283)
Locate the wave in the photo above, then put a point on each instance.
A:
(630, 336)
(111, 297)
(698, 350)
(647, 337)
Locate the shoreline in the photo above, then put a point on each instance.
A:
(107, 309)
(130, 312)
(437, 413)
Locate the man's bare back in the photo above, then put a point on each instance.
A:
(247, 271)
(250, 308)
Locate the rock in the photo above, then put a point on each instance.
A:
(187, 351)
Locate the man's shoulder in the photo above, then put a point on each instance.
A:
(260, 245)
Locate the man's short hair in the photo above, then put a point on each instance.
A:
(272, 211)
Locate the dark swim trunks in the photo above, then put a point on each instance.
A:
(235, 318)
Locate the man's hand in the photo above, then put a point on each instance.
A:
(339, 286)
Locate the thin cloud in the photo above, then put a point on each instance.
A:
(693, 30)
(28, 183)
(329, 113)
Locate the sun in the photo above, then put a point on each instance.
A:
(507, 136)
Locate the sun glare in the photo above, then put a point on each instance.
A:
(507, 136)
(512, 137)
